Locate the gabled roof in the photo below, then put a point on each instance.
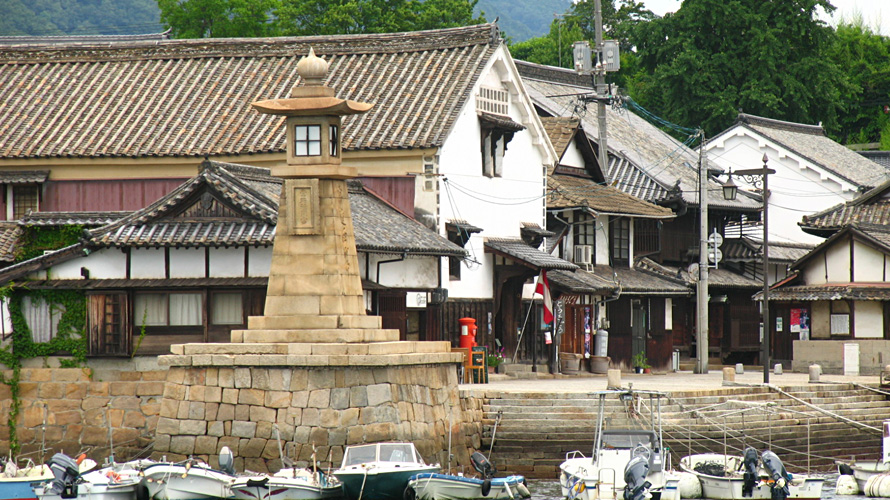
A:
(810, 142)
(71, 218)
(578, 192)
(581, 282)
(561, 130)
(876, 236)
(520, 251)
(871, 208)
(192, 97)
(642, 281)
(717, 278)
(643, 161)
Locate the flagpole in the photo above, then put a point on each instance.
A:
(519, 341)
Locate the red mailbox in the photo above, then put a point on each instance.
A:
(467, 332)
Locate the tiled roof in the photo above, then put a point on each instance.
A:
(567, 191)
(810, 142)
(882, 158)
(581, 282)
(380, 228)
(718, 278)
(9, 238)
(871, 208)
(636, 281)
(192, 97)
(520, 251)
(146, 283)
(69, 218)
(560, 130)
(831, 291)
(87, 39)
(644, 161)
(24, 177)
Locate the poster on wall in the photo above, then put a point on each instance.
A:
(804, 324)
(587, 332)
(795, 321)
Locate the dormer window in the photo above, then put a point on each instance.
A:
(307, 140)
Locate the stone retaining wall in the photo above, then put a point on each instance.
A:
(79, 405)
(315, 409)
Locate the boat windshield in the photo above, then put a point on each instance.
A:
(627, 441)
(363, 454)
(398, 452)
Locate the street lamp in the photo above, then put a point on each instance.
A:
(759, 178)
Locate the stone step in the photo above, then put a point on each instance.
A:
(313, 322)
(347, 335)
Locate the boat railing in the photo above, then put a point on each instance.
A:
(602, 481)
(575, 454)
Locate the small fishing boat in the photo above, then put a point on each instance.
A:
(380, 471)
(628, 462)
(114, 482)
(863, 471)
(287, 484)
(17, 483)
(190, 479)
(434, 486)
(731, 477)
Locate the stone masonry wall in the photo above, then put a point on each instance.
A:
(314, 408)
(79, 405)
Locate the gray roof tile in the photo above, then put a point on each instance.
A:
(518, 250)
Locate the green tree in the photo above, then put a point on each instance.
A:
(714, 57)
(218, 18)
(620, 19)
(552, 49)
(864, 57)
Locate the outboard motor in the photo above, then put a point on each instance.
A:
(777, 472)
(227, 461)
(482, 465)
(635, 484)
(65, 471)
(749, 477)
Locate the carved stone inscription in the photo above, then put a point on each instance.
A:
(302, 206)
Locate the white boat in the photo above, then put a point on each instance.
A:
(863, 471)
(287, 484)
(434, 486)
(606, 473)
(190, 479)
(380, 471)
(731, 477)
(18, 483)
(113, 482)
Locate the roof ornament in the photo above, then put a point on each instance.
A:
(312, 69)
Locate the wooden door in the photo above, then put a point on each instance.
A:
(108, 325)
(392, 308)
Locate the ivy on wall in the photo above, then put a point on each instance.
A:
(71, 305)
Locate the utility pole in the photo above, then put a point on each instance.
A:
(601, 88)
(701, 327)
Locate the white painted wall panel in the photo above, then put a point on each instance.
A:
(868, 319)
(413, 272)
(107, 263)
(146, 263)
(259, 261)
(572, 156)
(227, 262)
(838, 257)
(868, 262)
(187, 263)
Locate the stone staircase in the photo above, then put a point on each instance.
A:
(536, 430)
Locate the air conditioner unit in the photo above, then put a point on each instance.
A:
(583, 254)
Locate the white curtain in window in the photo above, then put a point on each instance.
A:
(499, 157)
(227, 309)
(42, 320)
(185, 309)
(150, 309)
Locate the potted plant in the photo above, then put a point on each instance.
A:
(640, 364)
(495, 359)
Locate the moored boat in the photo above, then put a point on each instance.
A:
(287, 484)
(190, 479)
(380, 471)
(605, 474)
(114, 482)
(863, 471)
(731, 477)
(434, 486)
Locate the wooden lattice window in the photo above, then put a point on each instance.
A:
(25, 198)
(108, 325)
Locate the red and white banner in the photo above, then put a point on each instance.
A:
(543, 288)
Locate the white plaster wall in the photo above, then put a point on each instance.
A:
(187, 263)
(413, 272)
(147, 263)
(814, 271)
(259, 261)
(838, 260)
(868, 319)
(496, 204)
(868, 262)
(107, 263)
(602, 240)
(227, 262)
(572, 157)
(797, 188)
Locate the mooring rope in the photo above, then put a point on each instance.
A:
(825, 412)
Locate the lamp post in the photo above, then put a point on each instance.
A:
(759, 177)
